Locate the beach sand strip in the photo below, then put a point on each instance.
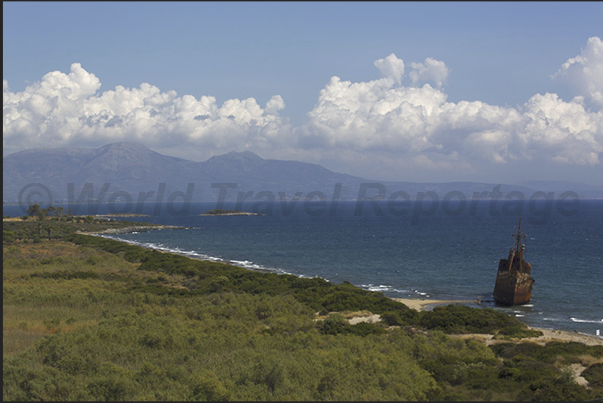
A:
(547, 334)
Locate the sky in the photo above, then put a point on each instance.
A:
(497, 92)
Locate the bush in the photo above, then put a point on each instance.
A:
(548, 353)
(66, 275)
(8, 236)
(337, 324)
(392, 318)
(554, 390)
(460, 319)
(594, 375)
(334, 324)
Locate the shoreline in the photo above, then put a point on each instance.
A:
(413, 303)
(547, 334)
(132, 229)
(420, 304)
(129, 230)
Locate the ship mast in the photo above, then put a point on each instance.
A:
(519, 247)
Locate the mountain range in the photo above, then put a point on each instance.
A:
(132, 169)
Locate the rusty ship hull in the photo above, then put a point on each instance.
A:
(513, 288)
(514, 283)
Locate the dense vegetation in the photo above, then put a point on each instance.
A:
(34, 229)
(89, 318)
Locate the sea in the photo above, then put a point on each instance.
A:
(435, 252)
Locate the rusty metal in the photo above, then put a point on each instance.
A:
(514, 283)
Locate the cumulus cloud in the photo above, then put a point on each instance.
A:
(432, 70)
(417, 123)
(382, 122)
(274, 104)
(566, 131)
(583, 74)
(391, 67)
(66, 109)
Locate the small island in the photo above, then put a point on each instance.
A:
(228, 212)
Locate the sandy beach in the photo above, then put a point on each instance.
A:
(420, 304)
(547, 334)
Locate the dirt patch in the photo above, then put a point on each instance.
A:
(367, 319)
(577, 370)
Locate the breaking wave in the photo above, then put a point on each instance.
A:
(586, 321)
(196, 255)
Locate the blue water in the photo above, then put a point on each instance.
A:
(433, 255)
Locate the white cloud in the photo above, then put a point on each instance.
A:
(380, 123)
(274, 104)
(432, 70)
(391, 67)
(583, 74)
(65, 109)
(563, 130)
(418, 124)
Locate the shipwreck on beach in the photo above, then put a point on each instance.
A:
(514, 282)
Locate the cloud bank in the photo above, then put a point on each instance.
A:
(382, 122)
(68, 109)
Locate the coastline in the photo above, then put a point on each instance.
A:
(413, 303)
(129, 230)
(547, 334)
(422, 304)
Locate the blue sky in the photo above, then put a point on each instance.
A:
(489, 55)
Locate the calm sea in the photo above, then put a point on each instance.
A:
(442, 253)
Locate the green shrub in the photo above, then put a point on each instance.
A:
(459, 319)
(66, 275)
(392, 318)
(8, 236)
(364, 329)
(551, 389)
(548, 353)
(334, 324)
(207, 387)
(594, 375)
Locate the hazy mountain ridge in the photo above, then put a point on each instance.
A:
(133, 168)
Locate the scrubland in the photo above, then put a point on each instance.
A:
(89, 318)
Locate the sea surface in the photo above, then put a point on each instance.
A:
(445, 252)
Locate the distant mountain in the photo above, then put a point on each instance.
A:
(584, 190)
(133, 170)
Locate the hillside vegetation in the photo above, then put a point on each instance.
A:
(89, 318)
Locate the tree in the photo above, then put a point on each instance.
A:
(60, 211)
(33, 210)
(50, 211)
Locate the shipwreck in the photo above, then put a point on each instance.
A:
(514, 282)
